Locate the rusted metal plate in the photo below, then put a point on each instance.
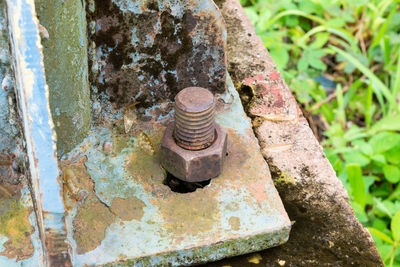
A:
(148, 50)
(120, 212)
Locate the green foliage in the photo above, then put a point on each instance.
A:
(356, 44)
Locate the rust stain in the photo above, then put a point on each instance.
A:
(143, 164)
(234, 222)
(77, 181)
(259, 190)
(57, 247)
(195, 213)
(120, 142)
(15, 225)
(90, 224)
(128, 209)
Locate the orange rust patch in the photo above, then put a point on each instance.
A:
(258, 190)
(76, 179)
(143, 164)
(234, 222)
(128, 209)
(195, 212)
(90, 224)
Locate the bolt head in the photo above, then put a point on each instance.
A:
(193, 166)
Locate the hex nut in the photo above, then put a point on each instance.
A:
(193, 165)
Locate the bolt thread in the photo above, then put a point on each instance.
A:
(195, 130)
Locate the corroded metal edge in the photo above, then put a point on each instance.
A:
(33, 103)
(213, 252)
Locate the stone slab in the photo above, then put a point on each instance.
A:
(326, 231)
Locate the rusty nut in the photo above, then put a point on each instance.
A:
(193, 165)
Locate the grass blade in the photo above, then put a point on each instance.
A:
(380, 88)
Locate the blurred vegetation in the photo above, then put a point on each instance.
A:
(341, 59)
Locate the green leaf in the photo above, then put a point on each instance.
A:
(368, 181)
(395, 194)
(356, 181)
(280, 55)
(392, 173)
(384, 141)
(396, 79)
(320, 40)
(380, 88)
(302, 64)
(363, 146)
(380, 235)
(356, 157)
(263, 20)
(388, 123)
(395, 226)
(252, 14)
(379, 159)
(359, 212)
(382, 30)
(393, 155)
(379, 224)
(385, 206)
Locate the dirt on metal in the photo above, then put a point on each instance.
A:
(15, 226)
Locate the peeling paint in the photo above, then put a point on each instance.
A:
(39, 134)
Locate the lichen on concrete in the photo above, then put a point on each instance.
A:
(65, 59)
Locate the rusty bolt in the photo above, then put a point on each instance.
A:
(194, 146)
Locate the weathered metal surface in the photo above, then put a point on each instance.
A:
(65, 61)
(148, 50)
(20, 243)
(33, 104)
(194, 118)
(19, 238)
(11, 152)
(193, 165)
(120, 212)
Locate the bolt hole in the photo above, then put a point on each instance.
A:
(182, 187)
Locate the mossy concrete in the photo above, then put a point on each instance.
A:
(65, 57)
(326, 231)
